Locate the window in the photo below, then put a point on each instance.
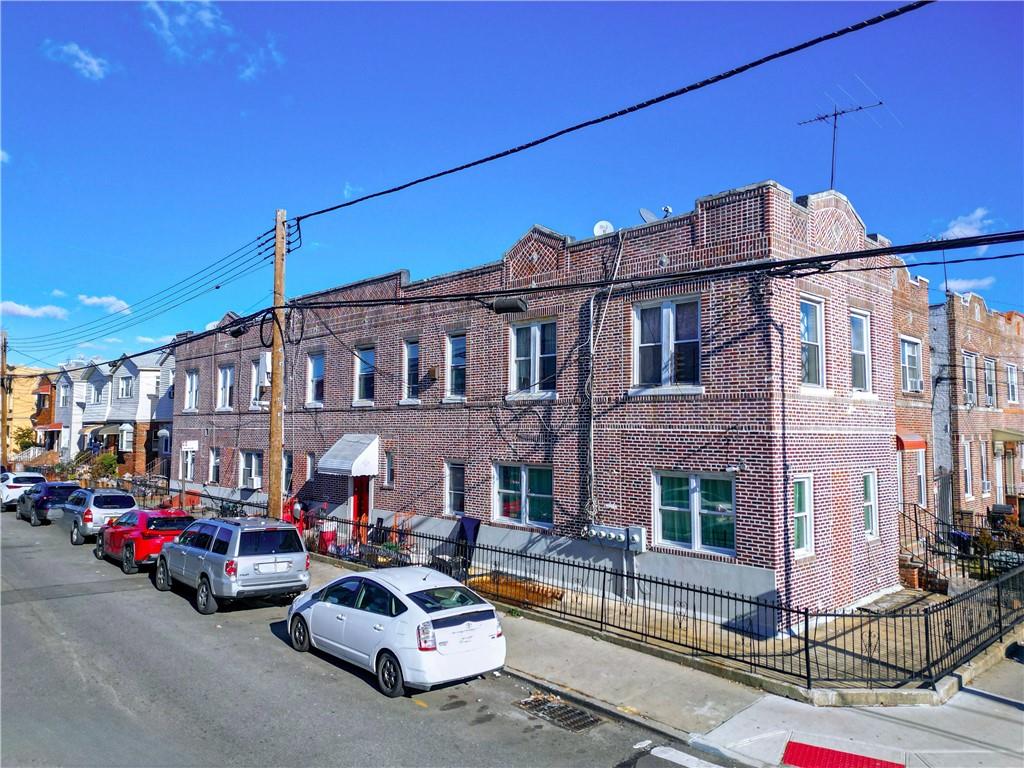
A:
(970, 378)
(192, 390)
(188, 465)
(222, 541)
(860, 352)
(869, 483)
(254, 384)
(455, 489)
(215, 465)
(534, 357)
(812, 346)
(389, 468)
(124, 387)
(226, 386)
(310, 466)
(921, 478)
(315, 379)
(63, 396)
(990, 382)
(666, 347)
(251, 470)
(456, 365)
(524, 494)
(94, 393)
(412, 371)
(126, 438)
(343, 593)
(376, 599)
(287, 471)
(365, 367)
(165, 443)
(968, 473)
(695, 511)
(986, 486)
(803, 516)
(1011, 383)
(910, 365)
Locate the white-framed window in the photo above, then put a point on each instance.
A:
(365, 367)
(251, 469)
(389, 468)
(666, 343)
(126, 438)
(921, 478)
(310, 466)
(990, 382)
(695, 511)
(315, 378)
(803, 515)
(191, 390)
(188, 465)
(287, 471)
(214, 465)
(869, 486)
(968, 470)
(254, 383)
(534, 356)
(455, 352)
(94, 393)
(1011, 383)
(455, 488)
(226, 387)
(986, 484)
(63, 399)
(860, 351)
(411, 370)
(812, 341)
(910, 364)
(970, 364)
(524, 493)
(125, 387)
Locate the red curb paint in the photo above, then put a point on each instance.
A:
(808, 756)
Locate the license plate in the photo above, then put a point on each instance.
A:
(271, 567)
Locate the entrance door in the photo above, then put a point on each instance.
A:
(360, 507)
(1000, 493)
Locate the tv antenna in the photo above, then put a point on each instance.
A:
(833, 117)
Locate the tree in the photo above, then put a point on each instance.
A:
(24, 437)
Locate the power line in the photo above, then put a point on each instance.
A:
(888, 15)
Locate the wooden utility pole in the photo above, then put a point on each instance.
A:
(277, 372)
(3, 398)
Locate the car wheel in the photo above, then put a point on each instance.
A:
(33, 520)
(389, 676)
(300, 634)
(97, 550)
(128, 565)
(162, 577)
(77, 539)
(206, 603)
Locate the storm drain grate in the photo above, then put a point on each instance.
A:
(558, 712)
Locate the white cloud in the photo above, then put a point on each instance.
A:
(90, 345)
(971, 225)
(965, 284)
(13, 309)
(4, 157)
(58, 293)
(351, 190)
(257, 59)
(88, 65)
(151, 340)
(113, 340)
(111, 303)
(211, 325)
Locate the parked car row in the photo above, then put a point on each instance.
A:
(413, 627)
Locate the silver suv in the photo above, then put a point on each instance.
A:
(234, 559)
(89, 509)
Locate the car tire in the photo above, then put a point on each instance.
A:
(77, 539)
(389, 675)
(97, 550)
(33, 520)
(128, 564)
(299, 634)
(206, 603)
(162, 577)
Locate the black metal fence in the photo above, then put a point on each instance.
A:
(152, 492)
(914, 645)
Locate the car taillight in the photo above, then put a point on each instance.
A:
(307, 561)
(425, 639)
(230, 568)
(498, 622)
(87, 516)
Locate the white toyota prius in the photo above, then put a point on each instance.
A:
(414, 627)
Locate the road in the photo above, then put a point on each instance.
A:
(99, 668)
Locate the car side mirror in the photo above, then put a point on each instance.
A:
(177, 539)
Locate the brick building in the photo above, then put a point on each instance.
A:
(746, 423)
(979, 420)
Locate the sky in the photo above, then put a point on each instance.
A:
(142, 142)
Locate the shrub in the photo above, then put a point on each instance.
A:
(105, 465)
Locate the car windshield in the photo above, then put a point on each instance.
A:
(269, 542)
(176, 523)
(113, 501)
(443, 598)
(60, 491)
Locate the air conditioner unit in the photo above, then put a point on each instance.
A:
(254, 482)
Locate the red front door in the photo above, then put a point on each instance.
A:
(360, 507)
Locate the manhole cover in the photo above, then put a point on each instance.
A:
(558, 712)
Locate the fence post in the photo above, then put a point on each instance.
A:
(604, 590)
(807, 647)
(928, 648)
(999, 604)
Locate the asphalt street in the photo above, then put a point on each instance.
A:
(99, 668)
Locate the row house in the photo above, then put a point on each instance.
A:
(42, 418)
(745, 424)
(978, 416)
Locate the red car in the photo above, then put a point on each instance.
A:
(136, 538)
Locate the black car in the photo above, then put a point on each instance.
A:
(43, 502)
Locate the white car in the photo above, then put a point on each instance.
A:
(13, 484)
(413, 626)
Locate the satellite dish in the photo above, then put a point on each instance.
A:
(647, 216)
(603, 228)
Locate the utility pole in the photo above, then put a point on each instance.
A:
(277, 371)
(3, 398)
(833, 117)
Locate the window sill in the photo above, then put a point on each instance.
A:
(525, 526)
(313, 405)
(678, 547)
(224, 410)
(968, 497)
(803, 554)
(410, 401)
(869, 396)
(453, 399)
(190, 410)
(362, 403)
(986, 495)
(809, 390)
(672, 389)
(255, 408)
(871, 538)
(512, 397)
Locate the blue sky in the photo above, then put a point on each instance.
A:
(141, 142)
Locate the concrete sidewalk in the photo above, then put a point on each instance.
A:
(982, 725)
